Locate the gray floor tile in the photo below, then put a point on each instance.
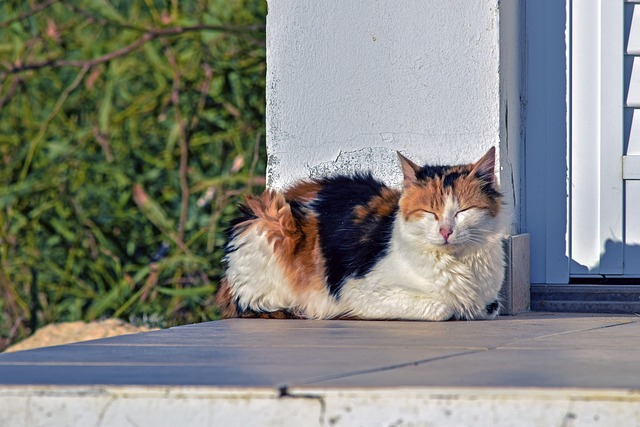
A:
(582, 368)
(536, 349)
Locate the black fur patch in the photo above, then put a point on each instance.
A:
(448, 176)
(341, 236)
(491, 308)
(487, 187)
(235, 228)
(449, 179)
(297, 210)
(430, 172)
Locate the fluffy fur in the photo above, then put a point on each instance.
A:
(350, 247)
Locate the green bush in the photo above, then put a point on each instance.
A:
(128, 129)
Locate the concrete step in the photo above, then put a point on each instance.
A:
(613, 299)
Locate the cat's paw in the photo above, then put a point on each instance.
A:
(492, 310)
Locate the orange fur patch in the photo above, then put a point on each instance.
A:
(422, 197)
(303, 264)
(379, 206)
(225, 300)
(430, 195)
(304, 191)
(469, 194)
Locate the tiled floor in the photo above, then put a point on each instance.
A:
(532, 351)
(536, 349)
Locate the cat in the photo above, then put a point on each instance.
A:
(350, 247)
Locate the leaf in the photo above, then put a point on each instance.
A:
(63, 230)
(103, 303)
(188, 292)
(106, 8)
(152, 210)
(105, 108)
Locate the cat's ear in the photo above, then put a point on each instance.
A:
(484, 169)
(409, 169)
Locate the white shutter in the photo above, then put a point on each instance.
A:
(596, 137)
(631, 161)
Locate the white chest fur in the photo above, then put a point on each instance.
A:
(420, 282)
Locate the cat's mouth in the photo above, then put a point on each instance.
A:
(446, 245)
(449, 242)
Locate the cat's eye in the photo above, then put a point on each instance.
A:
(423, 211)
(429, 212)
(465, 210)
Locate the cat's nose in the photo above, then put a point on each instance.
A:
(446, 232)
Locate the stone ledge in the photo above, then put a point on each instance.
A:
(173, 406)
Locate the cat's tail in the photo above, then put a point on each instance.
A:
(274, 217)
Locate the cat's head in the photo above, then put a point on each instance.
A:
(452, 207)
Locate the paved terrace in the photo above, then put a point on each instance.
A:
(541, 369)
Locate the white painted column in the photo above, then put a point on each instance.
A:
(349, 83)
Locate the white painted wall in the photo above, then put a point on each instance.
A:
(351, 82)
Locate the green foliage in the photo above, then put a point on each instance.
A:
(127, 131)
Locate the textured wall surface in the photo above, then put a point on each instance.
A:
(349, 83)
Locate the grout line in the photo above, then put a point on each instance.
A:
(136, 364)
(272, 346)
(374, 370)
(541, 337)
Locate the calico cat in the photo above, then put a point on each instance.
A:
(351, 247)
